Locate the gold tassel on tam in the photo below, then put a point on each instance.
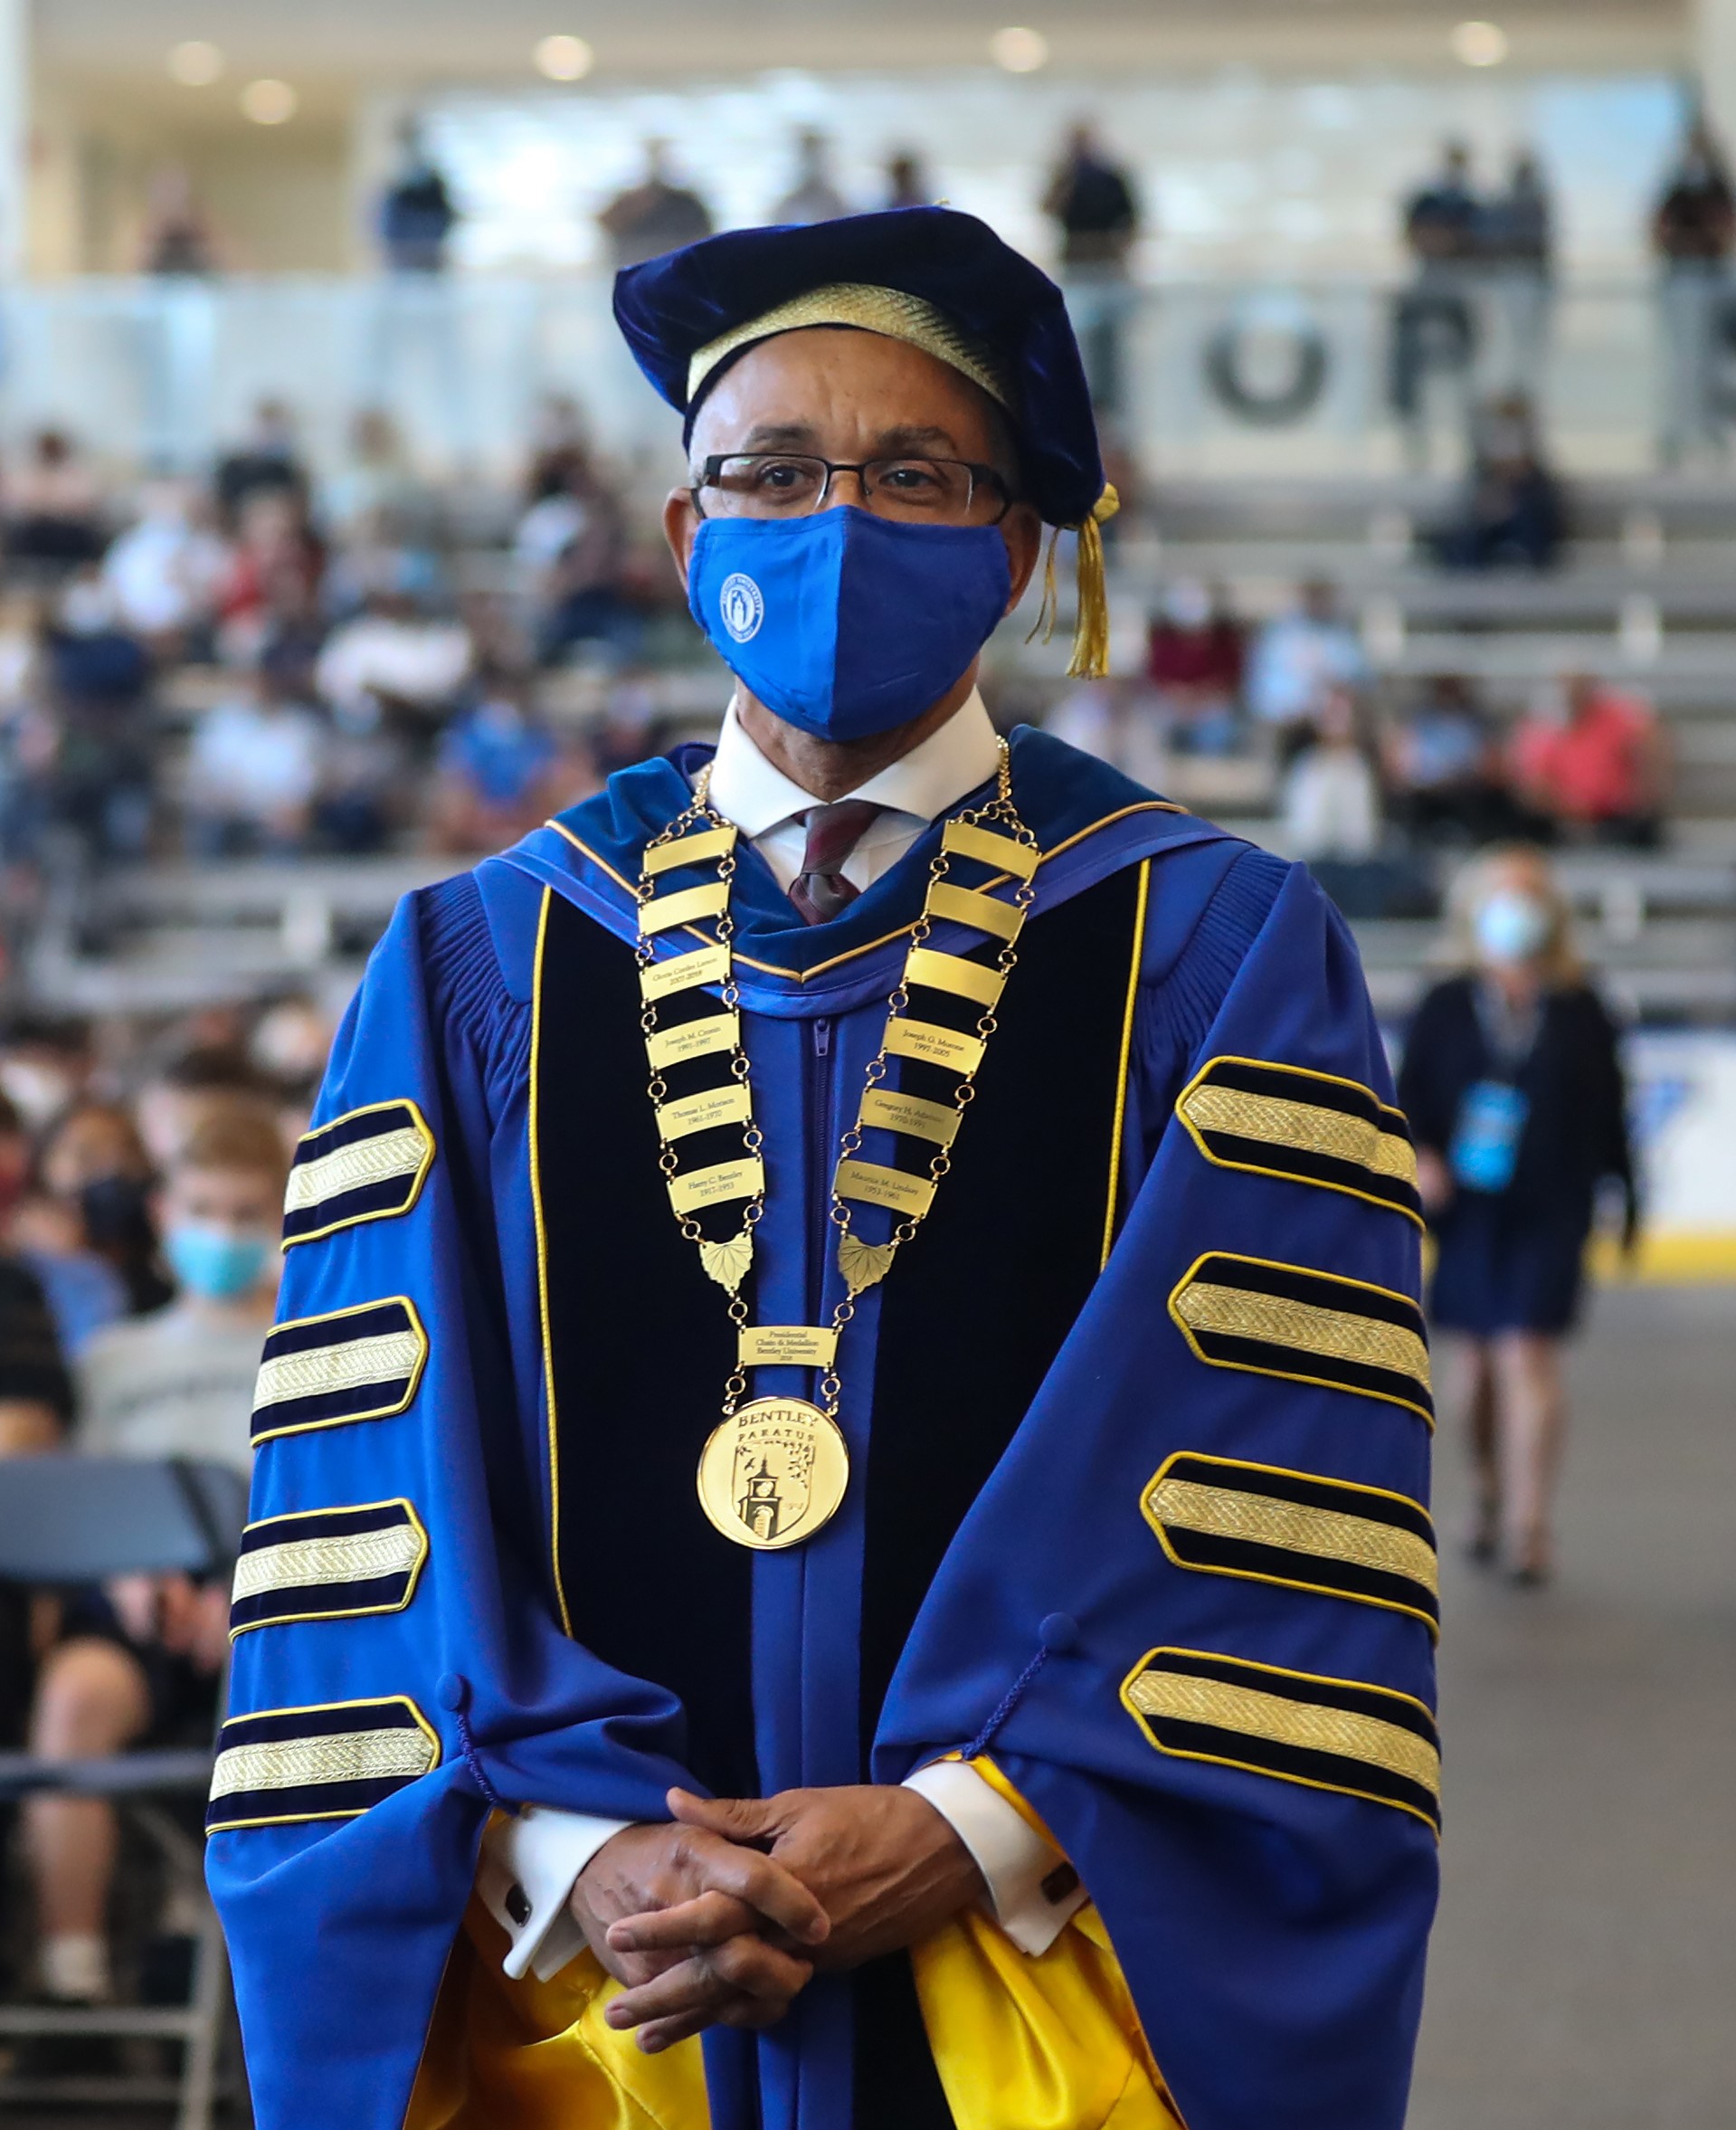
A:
(1090, 660)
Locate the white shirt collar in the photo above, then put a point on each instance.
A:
(756, 795)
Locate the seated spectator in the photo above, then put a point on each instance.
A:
(53, 506)
(198, 1081)
(82, 1291)
(571, 546)
(365, 790)
(166, 571)
(1330, 802)
(142, 1662)
(395, 654)
(1512, 512)
(265, 463)
(1599, 772)
(376, 496)
(1296, 659)
(99, 782)
(1444, 772)
(1194, 662)
(278, 562)
(91, 1191)
(253, 771)
(46, 1062)
(36, 1389)
(499, 771)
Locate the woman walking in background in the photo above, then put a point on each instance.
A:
(1512, 1083)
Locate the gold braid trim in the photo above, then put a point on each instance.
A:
(871, 310)
(1331, 1534)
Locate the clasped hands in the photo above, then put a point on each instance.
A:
(720, 1917)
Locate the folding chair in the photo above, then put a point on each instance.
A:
(71, 1520)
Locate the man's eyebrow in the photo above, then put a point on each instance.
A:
(906, 439)
(771, 436)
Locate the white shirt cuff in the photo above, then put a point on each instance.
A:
(1033, 1890)
(524, 1875)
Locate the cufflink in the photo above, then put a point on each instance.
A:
(517, 1904)
(1061, 1881)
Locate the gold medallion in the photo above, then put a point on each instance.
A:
(774, 1473)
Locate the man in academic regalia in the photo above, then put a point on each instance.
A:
(839, 1536)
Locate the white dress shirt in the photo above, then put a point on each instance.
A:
(529, 1865)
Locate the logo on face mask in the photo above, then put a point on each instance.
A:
(741, 606)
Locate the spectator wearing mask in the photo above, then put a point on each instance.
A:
(655, 215)
(53, 507)
(165, 573)
(1512, 1083)
(813, 197)
(417, 217)
(143, 1664)
(501, 771)
(1513, 511)
(1194, 660)
(1595, 770)
(1694, 229)
(92, 1172)
(1092, 202)
(82, 1291)
(254, 769)
(1298, 657)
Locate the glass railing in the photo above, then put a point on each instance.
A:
(1203, 378)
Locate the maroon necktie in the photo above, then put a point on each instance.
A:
(819, 889)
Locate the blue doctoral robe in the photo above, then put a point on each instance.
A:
(1188, 1613)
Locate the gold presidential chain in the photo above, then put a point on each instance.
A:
(776, 1468)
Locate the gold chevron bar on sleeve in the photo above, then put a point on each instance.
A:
(1307, 1127)
(871, 1184)
(702, 1187)
(710, 899)
(911, 1115)
(703, 1112)
(1327, 1733)
(1308, 1327)
(1221, 1516)
(683, 971)
(953, 973)
(971, 906)
(1003, 852)
(693, 1039)
(710, 842)
(932, 1044)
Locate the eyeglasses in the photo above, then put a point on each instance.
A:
(780, 484)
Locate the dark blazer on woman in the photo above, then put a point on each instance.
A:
(1576, 1129)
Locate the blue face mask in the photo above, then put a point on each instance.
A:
(212, 1263)
(1511, 927)
(842, 624)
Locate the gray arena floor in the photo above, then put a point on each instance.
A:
(1584, 1970)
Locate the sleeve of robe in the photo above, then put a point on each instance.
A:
(381, 1702)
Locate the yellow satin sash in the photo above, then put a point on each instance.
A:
(1021, 2043)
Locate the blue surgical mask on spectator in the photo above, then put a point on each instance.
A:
(213, 1263)
(1511, 927)
(843, 624)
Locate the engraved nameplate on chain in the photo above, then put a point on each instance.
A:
(787, 1346)
(871, 1184)
(693, 1039)
(932, 1044)
(682, 971)
(911, 1115)
(704, 1113)
(702, 1187)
